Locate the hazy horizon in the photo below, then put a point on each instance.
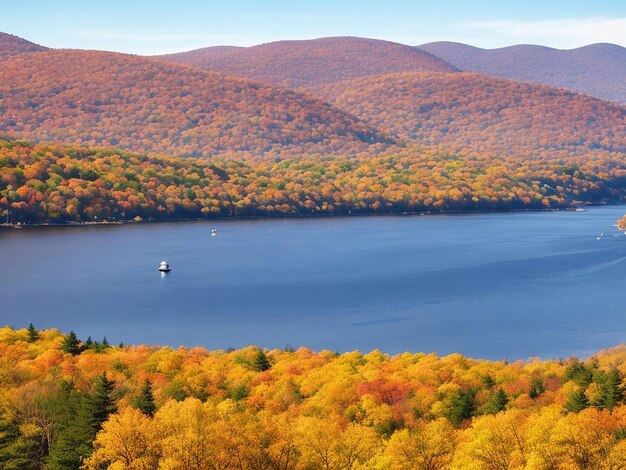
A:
(160, 27)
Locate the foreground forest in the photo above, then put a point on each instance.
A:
(67, 403)
(51, 183)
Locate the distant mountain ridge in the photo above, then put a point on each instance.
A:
(311, 62)
(11, 45)
(150, 105)
(136, 103)
(198, 57)
(597, 69)
(470, 111)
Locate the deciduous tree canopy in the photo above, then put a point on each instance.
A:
(158, 407)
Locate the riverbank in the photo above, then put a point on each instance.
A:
(20, 225)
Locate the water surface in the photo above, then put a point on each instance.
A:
(487, 285)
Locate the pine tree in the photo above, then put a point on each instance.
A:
(73, 432)
(79, 417)
(497, 402)
(101, 401)
(71, 344)
(89, 343)
(610, 392)
(579, 373)
(145, 401)
(33, 335)
(488, 381)
(577, 401)
(14, 447)
(537, 387)
(461, 406)
(261, 362)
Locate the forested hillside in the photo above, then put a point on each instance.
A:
(311, 62)
(110, 99)
(11, 45)
(483, 114)
(596, 69)
(198, 57)
(67, 402)
(47, 183)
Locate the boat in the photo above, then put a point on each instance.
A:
(580, 209)
(164, 267)
(213, 233)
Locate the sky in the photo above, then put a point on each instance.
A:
(160, 26)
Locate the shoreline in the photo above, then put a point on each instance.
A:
(21, 225)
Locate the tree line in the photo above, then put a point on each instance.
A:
(68, 403)
(42, 183)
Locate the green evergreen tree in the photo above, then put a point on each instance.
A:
(73, 432)
(101, 402)
(33, 334)
(145, 401)
(487, 380)
(610, 392)
(579, 373)
(577, 401)
(105, 343)
(78, 420)
(461, 406)
(497, 402)
(89, 343)
(260, 361)
(71, 344)
(537, 387)
(15, 450)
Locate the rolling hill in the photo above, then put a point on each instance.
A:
(11, 45)
(199, 57)
(597, 69)
(131, 102)
(310, 62)
(468, 111)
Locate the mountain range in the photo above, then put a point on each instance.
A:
(470, 111)
(311, 62)
(597, 69)
(111, 99)
(330, 96)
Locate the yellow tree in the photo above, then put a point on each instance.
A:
(427, 447)
(494, 442)
(127, 441)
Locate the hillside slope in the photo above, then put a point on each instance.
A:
(199, 57)
(110, 99)
(309, 62)
(484, 114)
(597, 69)
(55, 183)
(11, 45)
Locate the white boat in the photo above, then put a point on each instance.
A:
(580, 209)
(164, 267)
(214, 233)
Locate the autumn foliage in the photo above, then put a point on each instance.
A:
(590, 69)
(47, 183)
(483, 114)
(305, 410)
(312, 62)
(11, 45)
(109, 99)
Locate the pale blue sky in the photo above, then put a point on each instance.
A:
(159, 26)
